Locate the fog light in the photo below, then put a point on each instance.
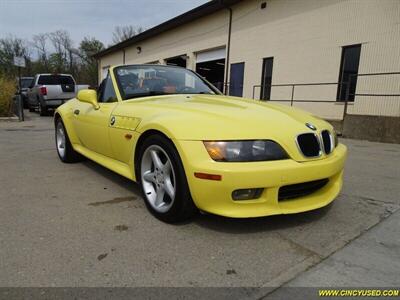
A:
(247, 194)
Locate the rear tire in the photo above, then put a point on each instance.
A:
(65, 152)
(42, 109)
(163, 181)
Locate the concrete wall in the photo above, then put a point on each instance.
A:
(372, 128)
(305, 37)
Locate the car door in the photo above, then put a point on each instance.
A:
(91, 124)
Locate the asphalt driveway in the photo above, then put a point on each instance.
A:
(82, 225)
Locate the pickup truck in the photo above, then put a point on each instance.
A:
(48, 91)
(25, 84)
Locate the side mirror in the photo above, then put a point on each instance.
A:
(88, 96)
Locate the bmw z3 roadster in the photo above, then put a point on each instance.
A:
(191, 148)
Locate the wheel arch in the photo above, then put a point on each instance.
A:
(187, 208)
(57, 116)
(66, 119)
(143, 136)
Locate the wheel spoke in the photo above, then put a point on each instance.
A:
(167, 168)
(158, 178)
(156, 159)
(159, 198)
(169, 188)
(149, 176)
(60, 139)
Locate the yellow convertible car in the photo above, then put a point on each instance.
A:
(192, 148)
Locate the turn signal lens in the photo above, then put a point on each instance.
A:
(208, 176)
(216, 150)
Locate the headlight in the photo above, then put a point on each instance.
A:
(245, 151)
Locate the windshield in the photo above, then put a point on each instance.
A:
(150, 80)
(26, 82)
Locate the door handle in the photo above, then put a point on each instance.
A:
(76, 112)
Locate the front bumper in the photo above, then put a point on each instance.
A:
(216, 196)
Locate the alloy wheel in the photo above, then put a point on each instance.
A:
(60, 139)
(158, 178)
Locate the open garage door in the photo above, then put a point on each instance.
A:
(179, 61)
(211, 65)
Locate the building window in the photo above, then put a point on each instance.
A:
(266, 79)
(236, 81)
(348, 73)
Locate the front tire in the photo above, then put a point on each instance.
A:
(163, 181)
(63, 145)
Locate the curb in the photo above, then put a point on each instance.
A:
(9, 119)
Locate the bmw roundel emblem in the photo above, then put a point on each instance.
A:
(311, 126)
(112, 121)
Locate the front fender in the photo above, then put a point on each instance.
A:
(65, 111)
(174, 125)
(157, 127)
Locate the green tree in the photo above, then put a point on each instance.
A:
(54, 53)
(40, 44)
(9, 48)
(89, 71)
(62, 59)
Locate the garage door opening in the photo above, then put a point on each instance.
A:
(211, 65)
(179, 61)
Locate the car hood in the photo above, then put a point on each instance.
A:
(216, 117)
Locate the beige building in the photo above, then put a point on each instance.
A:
(314, 52)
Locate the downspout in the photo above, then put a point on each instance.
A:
(228, 50)
(123, 56)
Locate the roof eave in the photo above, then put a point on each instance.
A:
(191, 15)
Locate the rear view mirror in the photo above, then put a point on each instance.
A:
(88, 96)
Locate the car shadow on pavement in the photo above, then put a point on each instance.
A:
(114, 177)
(253, 225)
(218, 223)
